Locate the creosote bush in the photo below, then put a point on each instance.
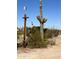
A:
(34, 37)
(34, 40)
(50, 33)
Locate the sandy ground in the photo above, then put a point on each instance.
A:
(52, 52)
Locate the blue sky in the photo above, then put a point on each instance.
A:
(51, 11)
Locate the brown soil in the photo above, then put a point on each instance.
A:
(52, 52)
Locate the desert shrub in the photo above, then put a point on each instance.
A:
(55, 32)
(34, 40)
(50, 33)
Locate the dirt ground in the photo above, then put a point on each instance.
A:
(52, 52)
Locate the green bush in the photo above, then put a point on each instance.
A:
(34, 40)
(50, 33)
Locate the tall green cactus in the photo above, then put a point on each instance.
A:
(41, 25)
(41, 20)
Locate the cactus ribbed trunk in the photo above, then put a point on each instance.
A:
(41, 30)
(41, 24)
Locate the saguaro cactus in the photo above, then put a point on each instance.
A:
(41, 25)
(41, 20)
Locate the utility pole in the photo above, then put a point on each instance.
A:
(41, 20)
(25, 19)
